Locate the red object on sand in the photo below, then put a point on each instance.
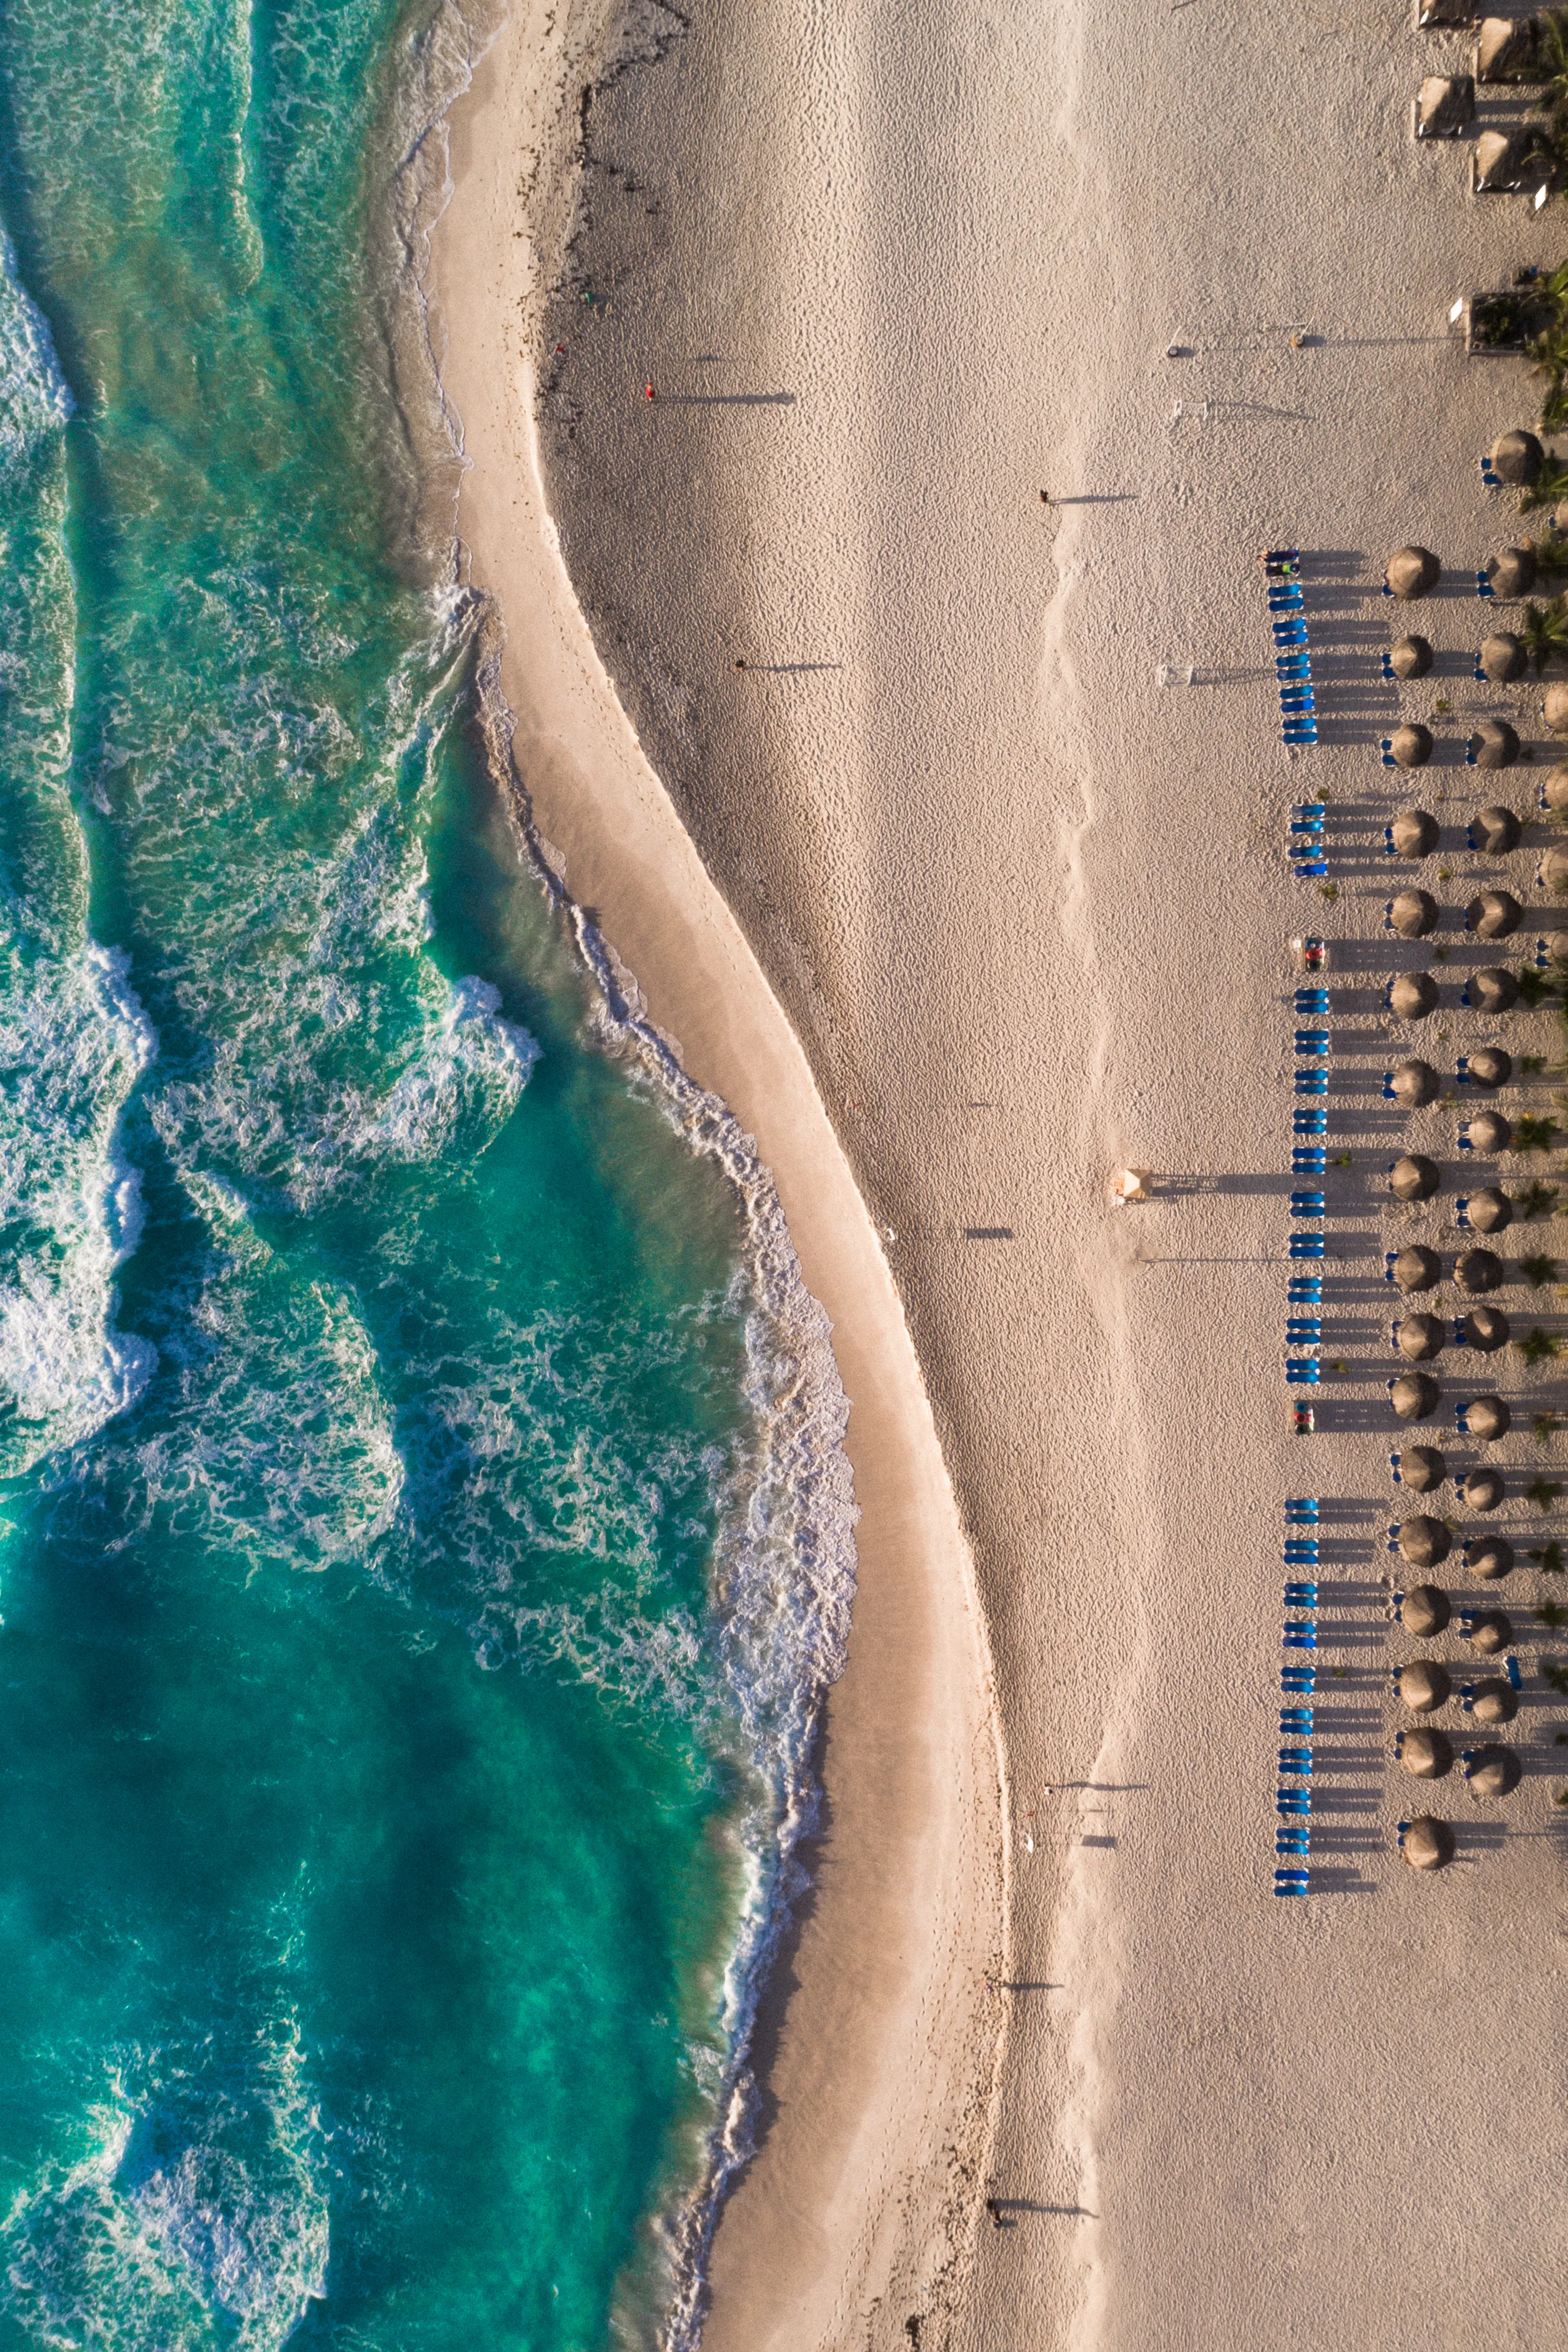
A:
(559, 351)
(648, 391)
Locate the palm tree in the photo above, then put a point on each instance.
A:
(1544, 628)
(1550, 553)
(1549, 357)
(1549, 488)
(1551, 51)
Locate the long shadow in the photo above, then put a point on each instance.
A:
(725, 400)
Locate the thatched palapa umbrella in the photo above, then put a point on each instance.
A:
(1414, 1178)
(1494, 830)
(1489, 1631)
(1414, 1396)
(1492, 1772)
(1512, 571)
(1490, 1557)
(1486, 1330)
(1489, 1131)
(1482, 1490)
(1421, 1468)
(1419, 1338)
(1414, 833)
(1413, 995)
(1490, 1211)
(1424, 1542)
(1493, 990)
(1424, 1610)
(1477, 1271)
(1411, 746)
(1488, 1418)
(1555, 945)
(1426, 1753)
(1552, 872)
(1554, 791)
(1427, 1842)
(1517, 459)
(1413, 572)
(1424, 1684)
(1502, 656)
(1490, 1067)
(1555, 708)
(1411, 913)
(1494, 744)
(1410, 657)
(1493, 914)
(1494, 1702)
(1417, 1268)
(1412, 1084)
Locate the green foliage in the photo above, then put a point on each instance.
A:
(1536, 1201)
(1550, 1558)
(1543, 1428)
(1531, 1134)
(1550, 549)
(1557, 1676)
(1549, 488)
(1543, 1493)
(1544, 628)
(1539, 1271)
(1553, 1613)
(1540, 1347)
(1532, 1065)
(1535, 985)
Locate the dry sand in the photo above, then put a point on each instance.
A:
(1026, 908)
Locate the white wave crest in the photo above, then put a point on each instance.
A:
(73, 1042)
(472, 1063)
(35, 397)
(196, 2215)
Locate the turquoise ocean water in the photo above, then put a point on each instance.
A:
(422, 1535)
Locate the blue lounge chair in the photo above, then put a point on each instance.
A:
(1310, 1122)
(1302, 1548)
(1304, 873)
(1297, 1761)
(1311, 1041)
(1489, 475)
(1301, 1508)
(1302, 1330)
(1483, 585)
(1295, 1718)
(1515, 1678)
(1312, 1000)
(1462, 1214)
(1302, 1373)
(1307, 1246)
(1388, 759)
(1290, 1842)
(1297, 1638)
(1300, 1680)
(1312, 1082)
(1308, 1160)
(1306, 1205)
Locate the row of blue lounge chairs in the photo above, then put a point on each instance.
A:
(1292, 655)
(1292, 1803)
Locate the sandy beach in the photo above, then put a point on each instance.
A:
(942, 828)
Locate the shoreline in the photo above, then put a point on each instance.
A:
(876, 2026)
(999, 800)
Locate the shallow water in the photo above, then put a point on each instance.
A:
(421, 1535)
